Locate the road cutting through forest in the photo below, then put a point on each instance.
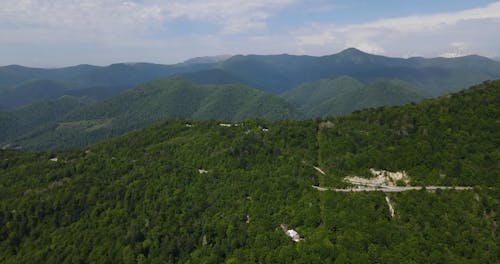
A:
(384, 181)
(392, 188)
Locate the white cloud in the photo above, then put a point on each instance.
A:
(392, 35)
(457, 49)
(98, 31)
(119, 16)
(235, 16)
(436, 21)
(80, 16)
(65, 32)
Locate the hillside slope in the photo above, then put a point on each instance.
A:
(146, 104)
(211, 194)
(16, 122)
(213, 76)
(343, 95)
(31, 91)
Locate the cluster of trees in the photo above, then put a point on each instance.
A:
(141, 197)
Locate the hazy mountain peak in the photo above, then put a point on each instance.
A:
(352, 52)
(206, 59)
(15, 67)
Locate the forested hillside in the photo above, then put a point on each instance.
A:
(31, 91)
(199, 192)
(343, 95)
(149, 103)
(17, 122)
(214, 76)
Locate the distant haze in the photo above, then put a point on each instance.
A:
(55, 33)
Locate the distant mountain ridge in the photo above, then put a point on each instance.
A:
(15, 79)
(272, 73)
(432, 77)
(206, 59)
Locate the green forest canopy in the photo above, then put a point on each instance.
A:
(141, 198)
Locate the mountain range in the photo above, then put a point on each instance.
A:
(271, 73)
(70, 107)
(18, 84)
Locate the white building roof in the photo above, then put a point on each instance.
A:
(292, 233)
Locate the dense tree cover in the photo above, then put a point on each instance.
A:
(140, 198)
(343, 95)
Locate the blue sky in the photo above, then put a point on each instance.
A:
(53, 33)
(345, 12)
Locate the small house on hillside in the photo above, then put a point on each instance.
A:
(293, 234)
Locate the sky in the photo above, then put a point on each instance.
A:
(57, 33)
